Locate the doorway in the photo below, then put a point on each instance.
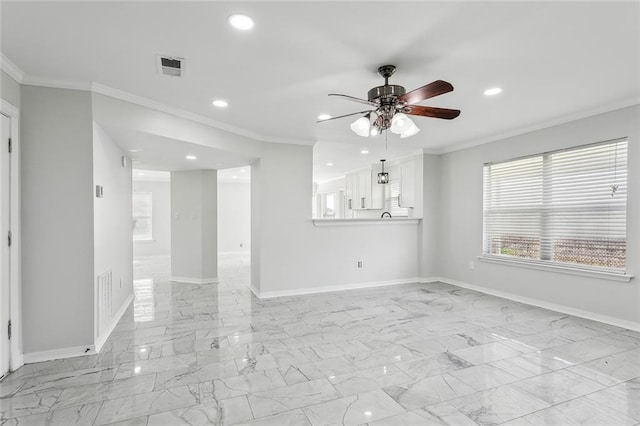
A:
(5, 259)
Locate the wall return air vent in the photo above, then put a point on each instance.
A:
(170, 66)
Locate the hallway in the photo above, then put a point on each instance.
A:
(401, 355)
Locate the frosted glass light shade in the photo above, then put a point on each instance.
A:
(400, 123)
(412, 130)
(361, 126)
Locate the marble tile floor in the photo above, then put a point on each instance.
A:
(416, 354)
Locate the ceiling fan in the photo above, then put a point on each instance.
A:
(391, 103)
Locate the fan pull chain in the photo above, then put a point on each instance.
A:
(386, 141)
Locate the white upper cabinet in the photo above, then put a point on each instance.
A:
(362, 192)
(377, 190)
(349, 193)
(407, 196)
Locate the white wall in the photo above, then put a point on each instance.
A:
(194, 241)
(295, 255)
(9, 89)
(112, 217)
(161, 218)
(256, 225)
(234, 217)
(428, 231)
(57, 218)
(329, 186)
(461, 219)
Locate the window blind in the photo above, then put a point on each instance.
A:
(396, 210)
(565, 207)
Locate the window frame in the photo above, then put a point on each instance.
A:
(617, 274)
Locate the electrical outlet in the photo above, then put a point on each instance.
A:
(472, 265)
(359, 263)
(241, 245)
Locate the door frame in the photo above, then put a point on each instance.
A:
(15, 285)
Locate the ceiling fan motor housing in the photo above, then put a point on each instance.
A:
(389, 91)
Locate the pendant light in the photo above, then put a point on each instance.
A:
(383, 177)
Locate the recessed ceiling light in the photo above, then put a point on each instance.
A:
(220, 103)
(368, 413)
(243, 171)
(324, 117)
(140, 174)
(235, 177)
(134, 150)
(191, 157)
(241, 22)
(364, 151)
(493, 91)
(329, 164)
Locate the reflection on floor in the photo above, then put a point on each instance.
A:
(404, 355)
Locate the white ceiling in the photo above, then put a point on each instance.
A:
(151, 175)
(554, 60)
(153, 152)
(235, 175)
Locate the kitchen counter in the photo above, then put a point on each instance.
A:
(368, 221)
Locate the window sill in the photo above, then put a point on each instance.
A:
(605, 275)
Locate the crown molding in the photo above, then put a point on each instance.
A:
(30, 80)
(157, 106)
(614, 106)
(178, 112)
(17, 74)
(8, 66)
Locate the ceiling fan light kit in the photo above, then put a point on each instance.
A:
(391, 104)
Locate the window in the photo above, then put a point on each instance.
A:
(142, 219)
(564, 207)
(396, 210)
(329, 207)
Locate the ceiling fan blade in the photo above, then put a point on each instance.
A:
(435, 88)
(346, 115)
(354, 99)
(424, 111)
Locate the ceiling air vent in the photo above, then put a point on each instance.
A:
(170, 66)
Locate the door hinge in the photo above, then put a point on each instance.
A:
(10, 147)
(9, 238)
(9, 329)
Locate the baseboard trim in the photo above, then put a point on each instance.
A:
(101, 340)
(189, 280)
(17, 362)
(329, 289)
(59, 354)
(630, 325)
(254, 290)
(230, 253)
